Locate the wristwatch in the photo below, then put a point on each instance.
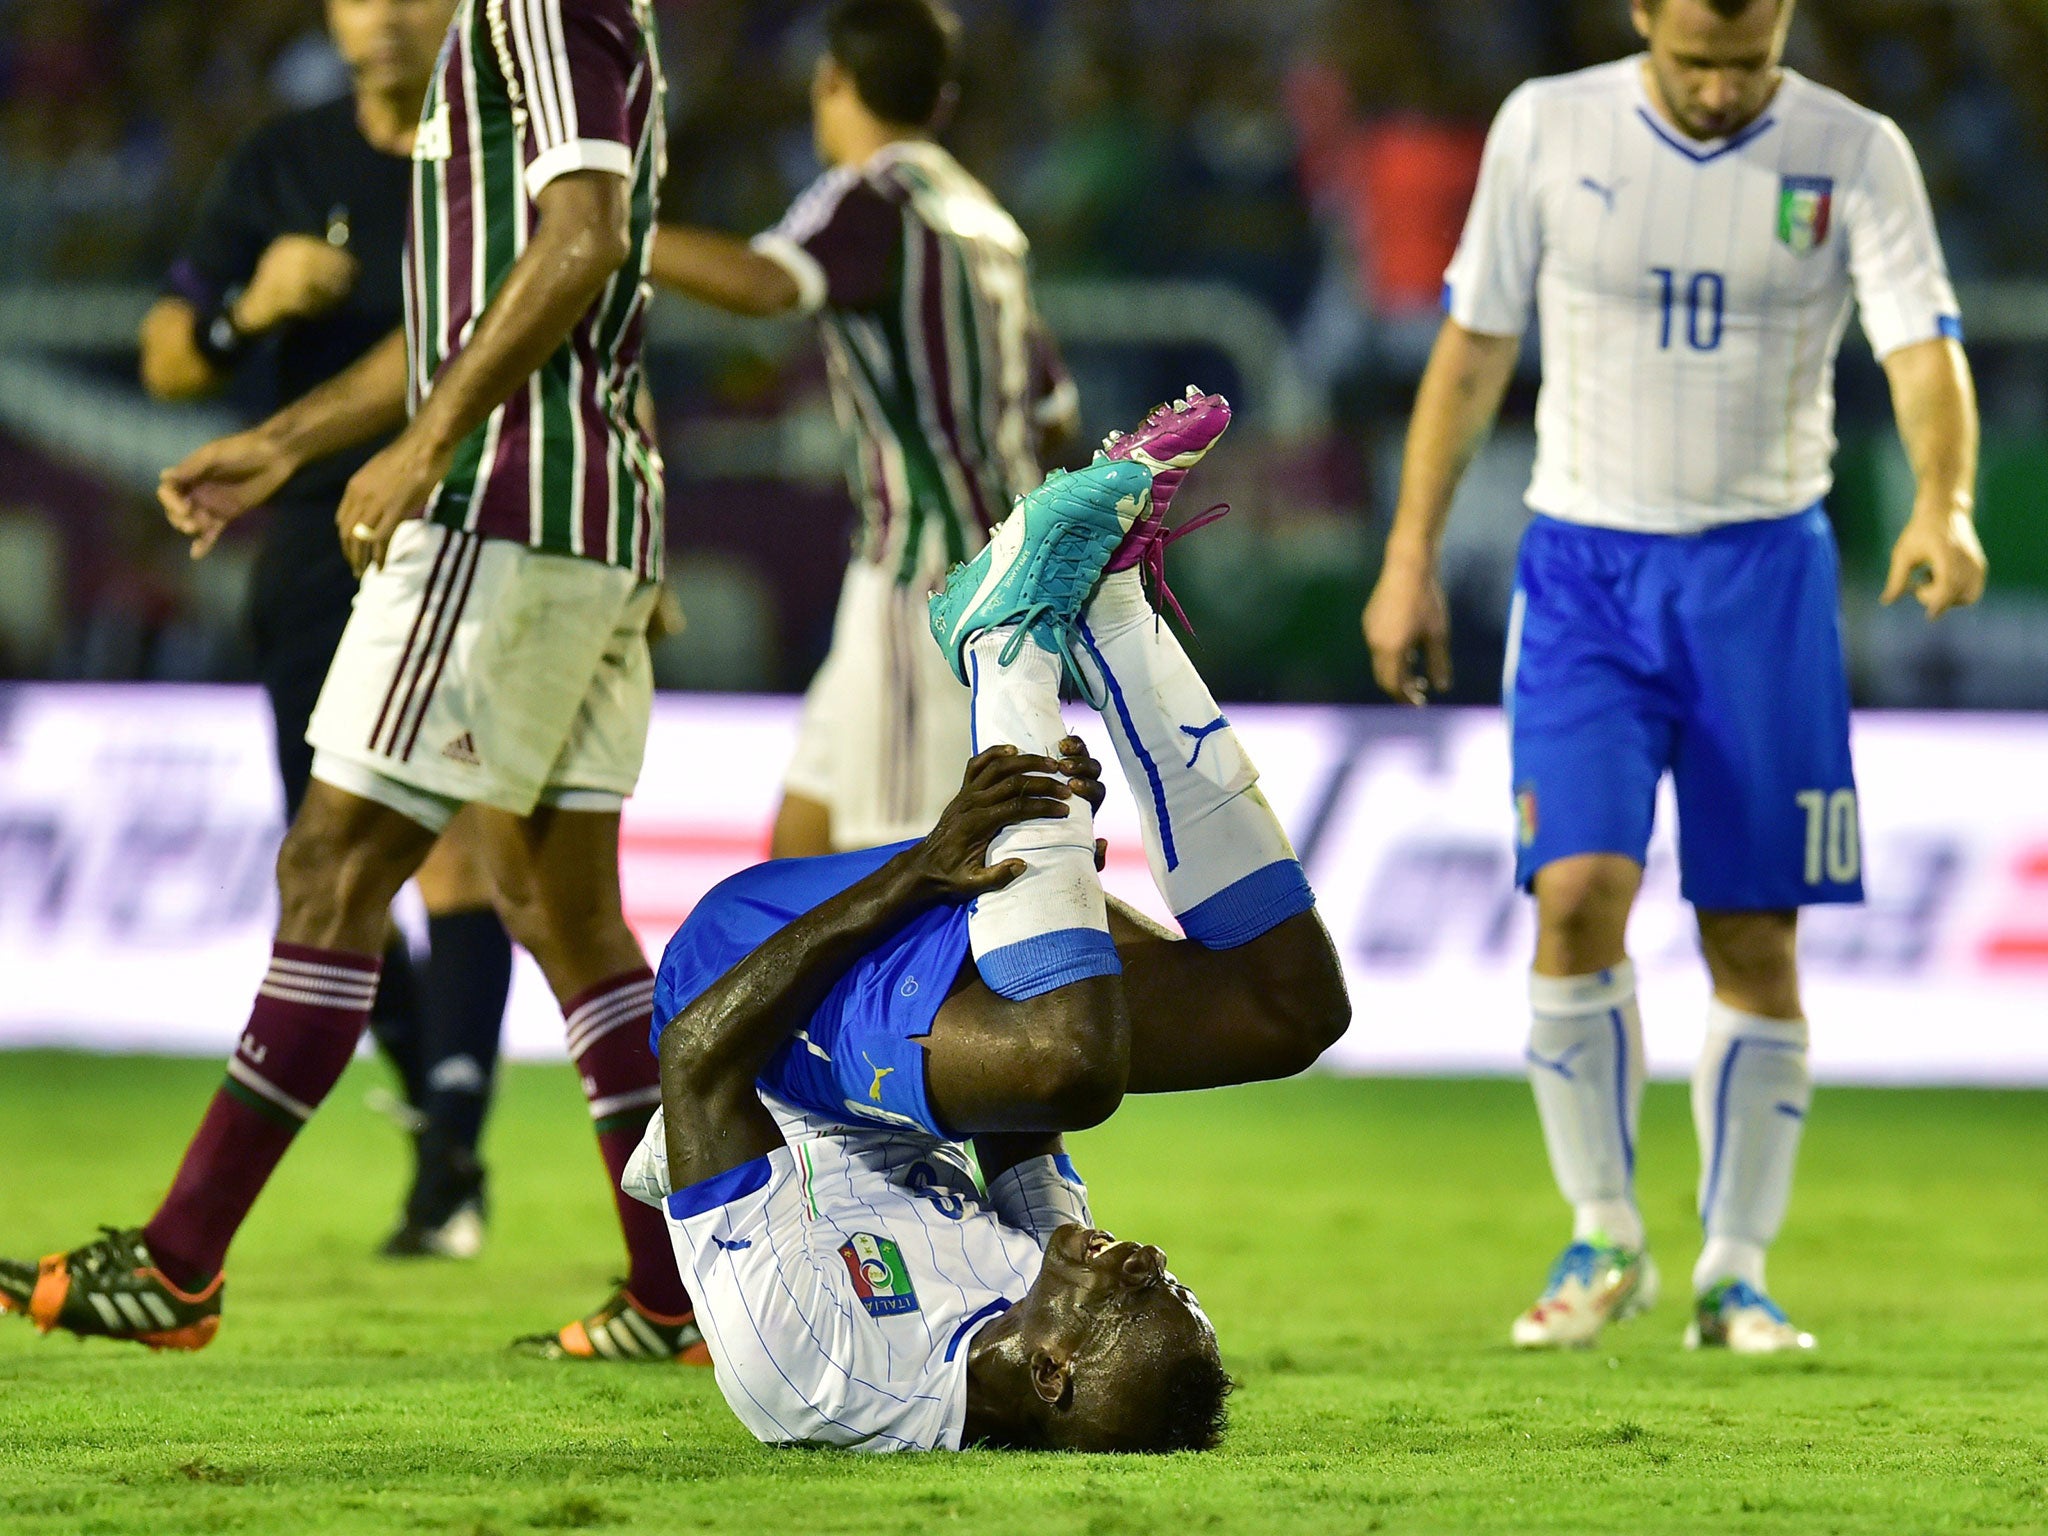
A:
(219, 340)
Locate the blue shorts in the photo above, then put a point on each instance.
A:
(1717, 656)
(858, 1059)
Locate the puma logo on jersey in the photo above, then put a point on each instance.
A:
(1606, 194)
(463, 750)
(875, 1091)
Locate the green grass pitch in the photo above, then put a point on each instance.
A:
(1361, 1246)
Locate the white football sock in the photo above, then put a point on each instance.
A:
(1217, 851)
(1750, 1094)
(1586, 1067)
(1049, 926)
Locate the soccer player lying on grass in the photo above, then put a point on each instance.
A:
(837, 1028)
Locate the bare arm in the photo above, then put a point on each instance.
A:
(232, 476)
(172, 366)
(721, 271)
(583, 236)
(1935, 402)
(297, 276)
(713, 1051)
(1460, 395)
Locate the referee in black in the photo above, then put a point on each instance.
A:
(293, 267)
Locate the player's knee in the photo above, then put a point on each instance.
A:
(1313, 1016)
(1079, 1086)
(1582, 905)
(322, 869)
(1751, 950)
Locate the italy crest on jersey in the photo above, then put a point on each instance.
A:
(880, 1279)
(1804, 204)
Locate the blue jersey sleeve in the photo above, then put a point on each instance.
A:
(742, 913)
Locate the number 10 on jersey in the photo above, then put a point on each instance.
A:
(1705, 296)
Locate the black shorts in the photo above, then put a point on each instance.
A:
(298, 606)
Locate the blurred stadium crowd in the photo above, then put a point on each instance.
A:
(1316, 155)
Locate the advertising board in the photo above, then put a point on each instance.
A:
(138, 826)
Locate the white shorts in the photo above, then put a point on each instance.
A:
(885, 730)
(478, 670)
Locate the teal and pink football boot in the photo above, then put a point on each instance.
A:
(1042, 562)
(1169, 442)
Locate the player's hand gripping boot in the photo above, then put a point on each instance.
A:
(1042, 562)
(111, 1289)
(622, 1330)
(1738, 1317)
(1591, 1285)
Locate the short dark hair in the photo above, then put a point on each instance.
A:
(899, 54)
(1195, 1406)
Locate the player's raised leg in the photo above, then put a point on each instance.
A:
(161, 1285)
(1005, 622)
(1255, 991)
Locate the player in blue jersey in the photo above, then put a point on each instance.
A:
(834, 1030)
(1690, 226)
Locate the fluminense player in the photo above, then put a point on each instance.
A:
(943, 378)
(834, 1029)
(496, 656)
(1690, 226)
(300, 244)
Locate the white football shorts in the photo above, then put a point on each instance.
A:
(477, 670)
(885, 732)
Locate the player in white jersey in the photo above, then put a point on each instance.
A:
(1690, 226)
(855, 1285)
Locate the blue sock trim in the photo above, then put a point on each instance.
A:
(1045, 961)
(1244, 909)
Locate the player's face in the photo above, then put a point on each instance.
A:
(833, 100)
(389, 44)
(1117, 1317)
(1714, 75)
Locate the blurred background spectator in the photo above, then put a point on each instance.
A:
(1259, 194)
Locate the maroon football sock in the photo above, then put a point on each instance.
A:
(309, 1013)
(608, 1042)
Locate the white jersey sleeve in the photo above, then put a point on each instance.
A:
(1895, 262)
(1491, 284)
(1040, 1195)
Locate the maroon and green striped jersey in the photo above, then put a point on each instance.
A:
(942, 373)
(525, 91)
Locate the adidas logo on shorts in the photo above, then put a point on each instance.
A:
(463, 750)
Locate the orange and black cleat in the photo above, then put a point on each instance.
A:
(111, 1289)
(622, 1330)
